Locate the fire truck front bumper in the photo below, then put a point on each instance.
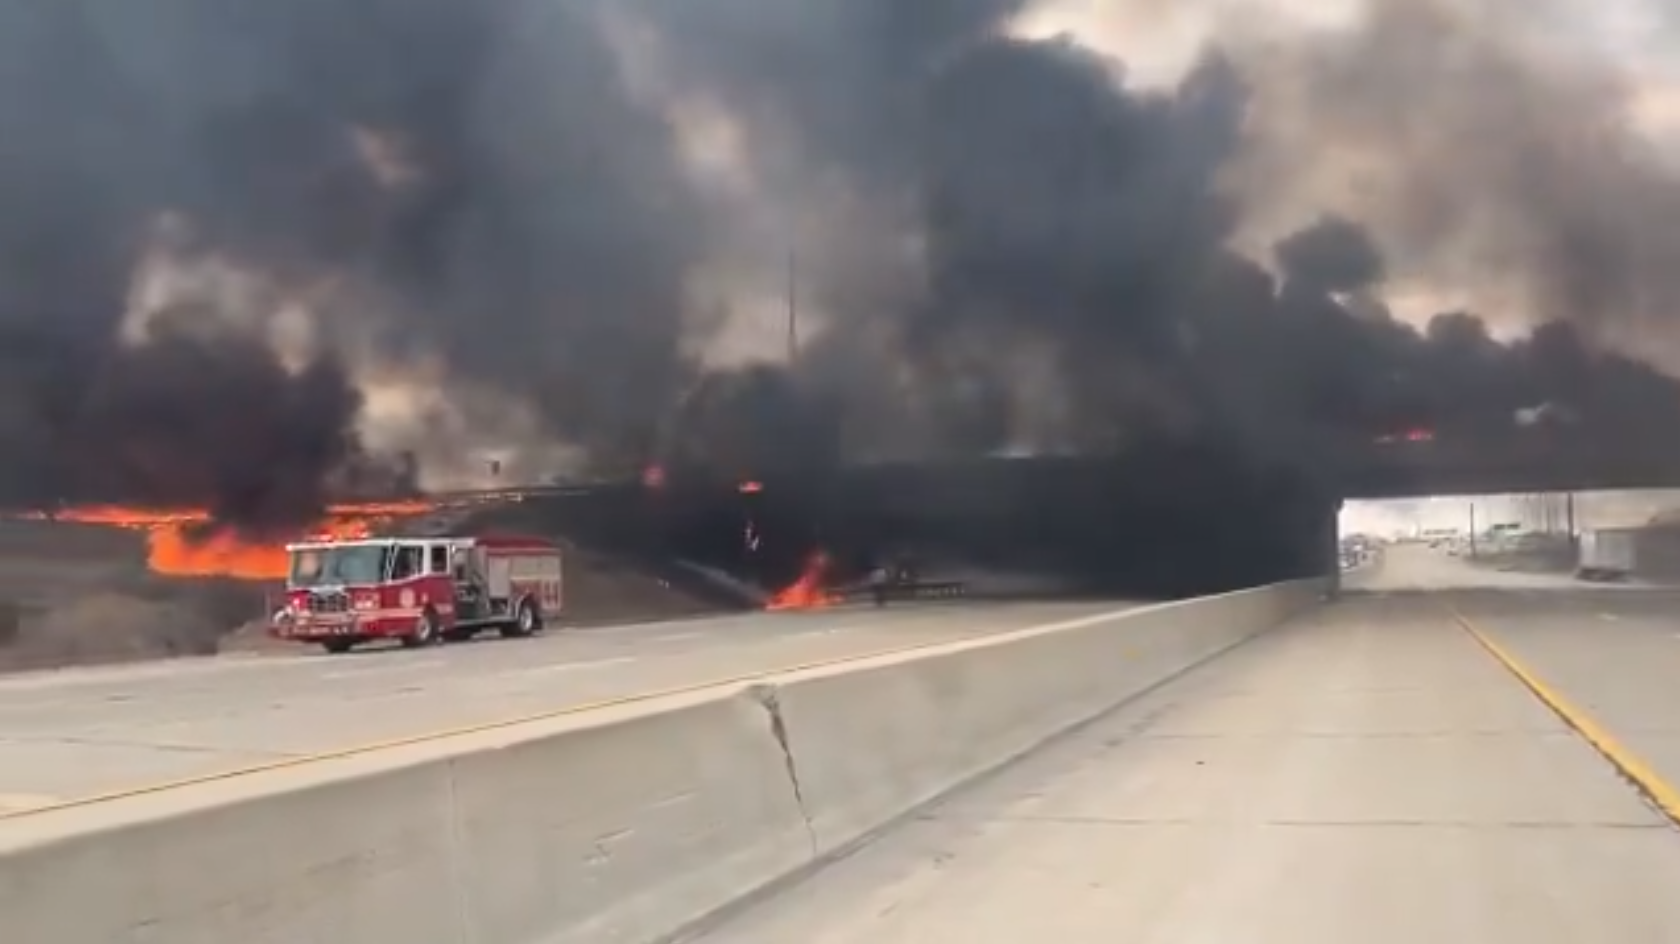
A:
(319, 626)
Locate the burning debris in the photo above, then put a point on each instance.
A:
(810, 591)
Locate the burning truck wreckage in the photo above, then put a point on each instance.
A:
(802, 289)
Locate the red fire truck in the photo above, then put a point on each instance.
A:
(421, 591)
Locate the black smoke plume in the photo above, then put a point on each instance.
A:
(434, 180)
(1006, 246)
(1079, 289)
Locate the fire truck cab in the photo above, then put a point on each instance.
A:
(420, 591)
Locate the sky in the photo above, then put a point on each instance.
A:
(1157, 39)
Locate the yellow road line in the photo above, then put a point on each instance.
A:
(292, 763)
(1630, 765)
(359, 750)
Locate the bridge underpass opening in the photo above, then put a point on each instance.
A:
(1519, 540)
(1150, 526)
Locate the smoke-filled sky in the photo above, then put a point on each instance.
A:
(248, 250)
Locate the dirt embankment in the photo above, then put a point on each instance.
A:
(78, 594)
(117, 626)
(614, 571)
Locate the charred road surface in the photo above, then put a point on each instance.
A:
(82, 732)
(1400, 766)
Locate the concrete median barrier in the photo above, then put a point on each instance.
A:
(620, 834)
(876, 741)
(562, 831)
(614, 826)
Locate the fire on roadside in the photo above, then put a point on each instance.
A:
(179, 545)
(809, 592)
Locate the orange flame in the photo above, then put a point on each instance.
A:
(173, 549)
(808, 592)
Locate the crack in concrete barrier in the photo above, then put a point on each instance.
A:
(767, 698)
(455, 845)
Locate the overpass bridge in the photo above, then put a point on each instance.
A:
(1518, 464)
(1156, 523)
(1399, 468)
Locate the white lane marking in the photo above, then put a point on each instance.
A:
(560, 667)
(905, 630)
(816, 633)
(676, 637)
(75, 676)
(1080, 622)
(71, 677)
(388, 669)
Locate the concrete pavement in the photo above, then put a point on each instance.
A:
(1370, 773)
(1609, 654)
(71, 733)
(1383, 769)
(1418, 567)
(624, 823)
(1611, 661)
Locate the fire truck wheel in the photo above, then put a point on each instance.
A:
(526, 622)
(427, 632)
(338, 646)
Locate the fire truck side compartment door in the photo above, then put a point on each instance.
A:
(499, 577)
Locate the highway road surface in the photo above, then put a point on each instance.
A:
(79, 732)
(1419, 567)
(1372, 773)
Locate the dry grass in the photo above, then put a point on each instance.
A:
(110, 627)
(77, 594)
(602, 589)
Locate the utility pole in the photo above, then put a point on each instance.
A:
(792, 308)
(1472, 529)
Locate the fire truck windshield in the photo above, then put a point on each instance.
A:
(338, 566)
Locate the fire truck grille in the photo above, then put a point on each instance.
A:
(329, 603)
